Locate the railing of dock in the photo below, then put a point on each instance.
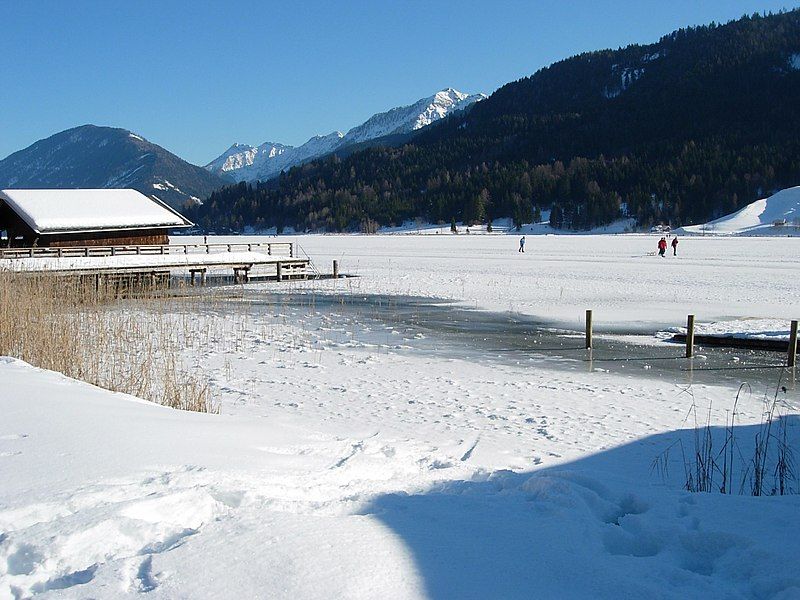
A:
(280, 249)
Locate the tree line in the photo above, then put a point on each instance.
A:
(681, 131)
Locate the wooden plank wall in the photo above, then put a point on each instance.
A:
(145, 237)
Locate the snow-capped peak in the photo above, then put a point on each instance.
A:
(243, 162)
(409, 118)
(240, 156)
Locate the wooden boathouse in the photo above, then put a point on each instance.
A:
(122, 235)
(61, 218)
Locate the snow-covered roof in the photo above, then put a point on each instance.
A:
(67, 211)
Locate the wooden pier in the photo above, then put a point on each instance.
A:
(272, 260)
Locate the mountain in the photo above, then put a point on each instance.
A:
(411, 118)
(106, 157)
(243, 162)
(681, 131)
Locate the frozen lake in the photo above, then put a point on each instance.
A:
(438, 328)
(559, 277)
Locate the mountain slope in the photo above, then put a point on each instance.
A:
(106, 157)
(681, 131)
(243, 162)
(777, 215)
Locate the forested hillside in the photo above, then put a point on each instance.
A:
(694, 126)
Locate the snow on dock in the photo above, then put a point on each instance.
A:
(175, 257)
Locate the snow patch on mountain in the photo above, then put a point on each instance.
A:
(625, 76)
(794, 61)
(243, 162)
(166, 185)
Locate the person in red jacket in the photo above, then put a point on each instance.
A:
(675, 246)
(662, 246)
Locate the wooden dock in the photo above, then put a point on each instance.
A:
(272, 260)
(730, 341)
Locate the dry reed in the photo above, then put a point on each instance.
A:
(70, 326)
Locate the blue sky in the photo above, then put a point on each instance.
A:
(195, 77)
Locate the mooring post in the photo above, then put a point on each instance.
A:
(792, 344)
(336, 269)
(588, 329)
(690, 336)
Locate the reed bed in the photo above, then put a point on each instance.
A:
(135, 346)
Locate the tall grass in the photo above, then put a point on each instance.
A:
(762, 466)
(88, 333)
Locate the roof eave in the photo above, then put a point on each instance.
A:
(186, 225)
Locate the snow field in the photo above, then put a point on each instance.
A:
(352, 461)
(321, 493)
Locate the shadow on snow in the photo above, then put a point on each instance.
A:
(608, 525)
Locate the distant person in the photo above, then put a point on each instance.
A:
(662, 247)
(675, 246)
(521, 244)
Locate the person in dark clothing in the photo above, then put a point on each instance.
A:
(662, 246)
(521, 244)
(675, 246)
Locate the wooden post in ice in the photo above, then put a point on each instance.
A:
(279, 271)
(690, 336)
(336, 269)
(792, 344)
(588, 329)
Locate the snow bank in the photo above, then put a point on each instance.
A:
(104, 496)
